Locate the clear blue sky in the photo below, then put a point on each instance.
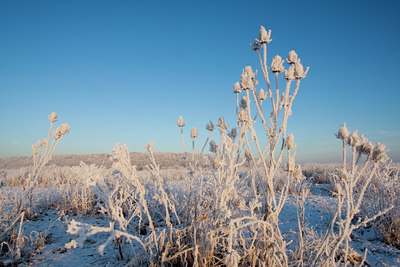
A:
(123, 71)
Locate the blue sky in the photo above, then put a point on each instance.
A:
(123, 71)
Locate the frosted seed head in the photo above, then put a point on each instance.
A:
(216, 163)
(233, 133)
(277, 64)
(264, 35)
(379, 153)
(180, 122)
(210, 126)
(247, 80)
(353, 139)
(247, 154)
(39, 143)
(292, 58)
(289, 73)
(194, 133)
(261, 95)
(149, 147)
(343, 133)
(298, 173)
(289, 144)
(35, 151)
(290, 166)
(236, 88)
(243, 102)
(255, 45)
(299, 72)
(61, 131)
(213, 147)
(53, 117)
(242, 115)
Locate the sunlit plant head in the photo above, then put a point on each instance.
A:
(343, 132)
(180, 122)
(277, 64)
(194, 133)
(53, 117)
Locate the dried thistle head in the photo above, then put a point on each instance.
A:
(354, 140)
(261, 95)
(149, 147)
(289, 73)
(299, 72)
(53, 117)
(236, 88)
(292, 57)
(379, 153)
(213, 147)
(364, 146)
(277, 64)
(243, 102)
(180, 122)
(242, 115)
(233, 133)
(35, 150)
(255, 45)
(39, 143)
(289, 144)
(210, 126)
(247, 80)
(343, 133)
(223, 127)
(61, 131)
(264, 35)
(247, 154)
(194, 133)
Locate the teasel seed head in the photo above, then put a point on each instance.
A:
(292, 57)
(180, 122)
(289, 73)
(353, 140)
(299, 72)
(236, 88)
(343, 133)
(194, 133)
(61, 131)
(233, 133)
(264, 36)
(243, 102)
(277, 64)
(261, 95)
(379, 153)
(35, 150)
(210, 126)
(53, 117)
(39, 143)
(255, 45)
(247, 154)
(213, 147)
(289, 144)
(242, 115)
(149, 147)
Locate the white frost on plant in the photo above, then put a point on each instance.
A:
(277, 64)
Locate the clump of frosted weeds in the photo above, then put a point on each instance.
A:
(23, 206)
(351, 184)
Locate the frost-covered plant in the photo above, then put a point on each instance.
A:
(351, 185)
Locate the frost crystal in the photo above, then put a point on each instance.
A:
(289, 144)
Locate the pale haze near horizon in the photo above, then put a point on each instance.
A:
(125, 71)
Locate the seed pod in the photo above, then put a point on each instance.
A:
(292, 58)
(53, 117)
(194, 133)
(181, 122)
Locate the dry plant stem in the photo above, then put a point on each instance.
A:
(205, 144)
(344, 154)
(183, 141)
